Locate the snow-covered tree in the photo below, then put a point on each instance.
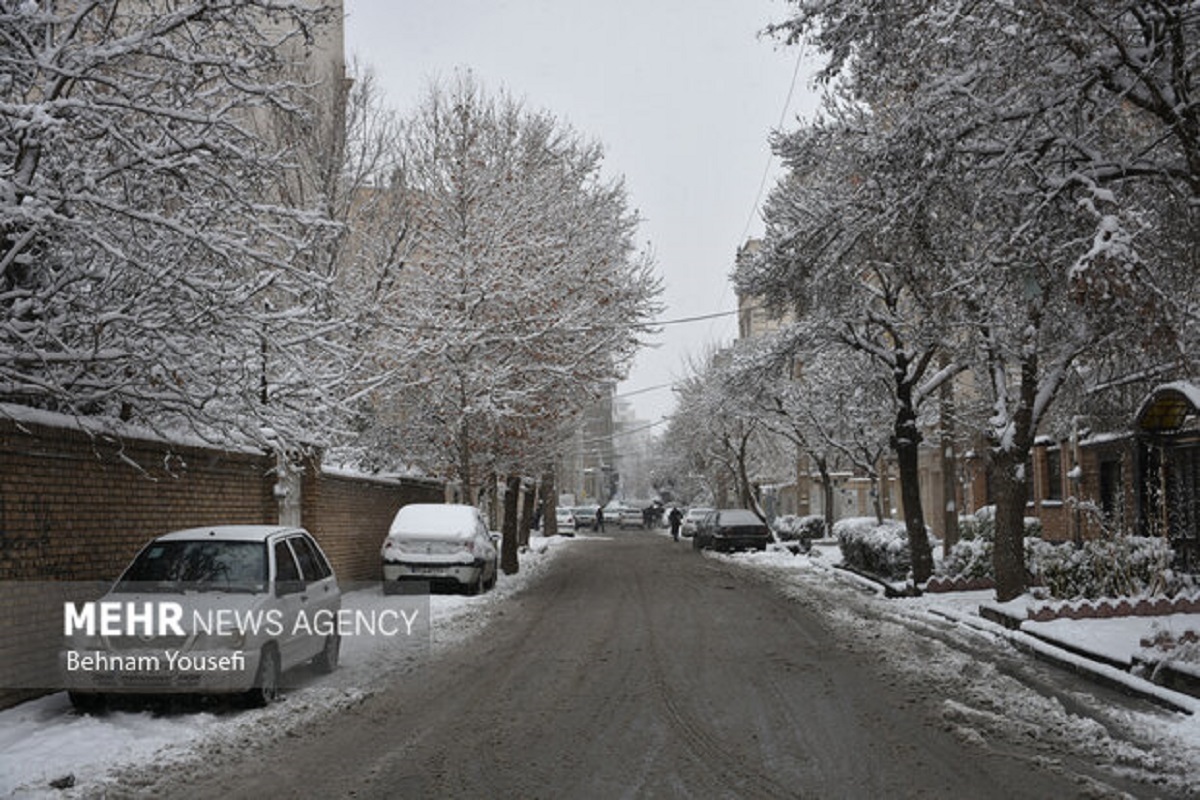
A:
(520, 290)
(719, 432)
(1066, 134)
(851, 248)
(149, 266)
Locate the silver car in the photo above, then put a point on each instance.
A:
(439, 544)
(212, 610)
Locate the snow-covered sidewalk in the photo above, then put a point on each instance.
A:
(1104, 649)
(47, 750)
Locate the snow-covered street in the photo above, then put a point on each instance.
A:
(934, 646)
(44, 742)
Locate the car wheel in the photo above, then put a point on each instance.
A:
(391, 587)
(86, 702)
(266, 683)
(327, 660)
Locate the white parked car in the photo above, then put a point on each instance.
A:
(565, 519)
(441, 544)
(212, 610)
(692, 519)
(630, 517)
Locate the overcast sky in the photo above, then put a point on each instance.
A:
(683, 94)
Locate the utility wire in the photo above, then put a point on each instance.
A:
(762, 184)
(643, 391)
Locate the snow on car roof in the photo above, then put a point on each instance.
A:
(435, 519)
(248, 533)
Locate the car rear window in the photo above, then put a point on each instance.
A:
(739, 519)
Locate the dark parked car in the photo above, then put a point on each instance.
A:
(730, 529)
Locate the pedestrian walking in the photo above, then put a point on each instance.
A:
(600, 519)
(675, 518)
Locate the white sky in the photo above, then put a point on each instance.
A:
(682, 93)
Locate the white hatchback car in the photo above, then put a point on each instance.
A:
(212, 610)
(440, 544)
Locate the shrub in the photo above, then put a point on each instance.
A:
(982, 525)
(791, 528)
(971, 557)
(880, 549)
(1115, 567)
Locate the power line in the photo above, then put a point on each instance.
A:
(762, 184)
(699, 318)
(643, 391)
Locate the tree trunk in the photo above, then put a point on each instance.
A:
(906, 442)
(746, 493)
(527, 506)
(549, 503)
(1011, 482)
(826, 493)
(508, 544)
(1011, 493)
(950, 509)
(464, 461)
(876, 496)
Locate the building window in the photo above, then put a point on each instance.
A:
(1054, 487)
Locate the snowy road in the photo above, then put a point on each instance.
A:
(636, 667)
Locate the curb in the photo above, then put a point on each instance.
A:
(1083, 663)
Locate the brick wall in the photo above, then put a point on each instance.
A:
(351, 515)
(76, 507)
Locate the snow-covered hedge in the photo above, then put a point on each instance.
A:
(970, 558)
(1118, 567)
(982, 525)
(791, 528)
(880, 549)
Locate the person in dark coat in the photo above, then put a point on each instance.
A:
(600, 519)
(676, 519)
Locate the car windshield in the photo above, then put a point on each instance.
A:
(215, 566)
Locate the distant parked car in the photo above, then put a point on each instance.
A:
(730, 529)
(692, 518)
(612, 513)
(267, 573)
(631, 517)
(565, 518)
(585, 516)
(443, 544)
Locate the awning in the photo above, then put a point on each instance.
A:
(1167, 408)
